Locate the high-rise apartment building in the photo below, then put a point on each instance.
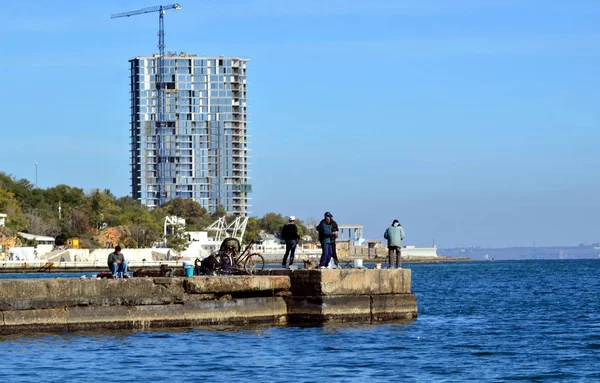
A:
(205, 146)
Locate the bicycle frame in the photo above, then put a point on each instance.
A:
(244, 254)
(231, 261)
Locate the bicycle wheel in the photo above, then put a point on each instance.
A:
(253, 263)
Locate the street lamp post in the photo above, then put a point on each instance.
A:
(36, 174)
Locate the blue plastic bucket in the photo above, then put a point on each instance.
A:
(188, 268)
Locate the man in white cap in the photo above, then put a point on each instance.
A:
(289, 233)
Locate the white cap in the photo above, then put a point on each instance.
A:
(292, 218)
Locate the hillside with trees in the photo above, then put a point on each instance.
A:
(65, 212)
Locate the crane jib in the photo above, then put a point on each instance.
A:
(160, 97)
(142, 11)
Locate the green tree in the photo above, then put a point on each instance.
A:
(9, 205)
(176, 238)
(103, 208)
(196, 217)
(302, 230)
(253, 229)
(273, 222)
(67, 196)
(220, 212)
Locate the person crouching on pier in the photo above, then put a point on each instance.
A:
(326, 237)
(117, 263)
(394, 235)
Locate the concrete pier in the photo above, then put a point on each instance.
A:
(349, 295)
(51, 305)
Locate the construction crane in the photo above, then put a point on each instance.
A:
(161, 141)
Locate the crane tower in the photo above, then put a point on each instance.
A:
(161, 132)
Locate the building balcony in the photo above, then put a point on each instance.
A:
(244, 188)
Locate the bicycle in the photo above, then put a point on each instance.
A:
(230, 261)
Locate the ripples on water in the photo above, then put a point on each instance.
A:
(478, 322)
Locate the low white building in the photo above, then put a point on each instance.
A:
(43, 246)
(413, 251)
(270, 243)
(201, 245)
(2, 219)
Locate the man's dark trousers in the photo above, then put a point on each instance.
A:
(391, 251)
(326, 256)
(290, 249)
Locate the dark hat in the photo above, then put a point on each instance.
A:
(117, 248)
(328, 214)
(395, 221)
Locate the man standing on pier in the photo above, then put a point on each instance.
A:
(117, 264)
(327, 235)
(394, 235)
(289, 233)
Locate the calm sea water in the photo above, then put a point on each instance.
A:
(532, 321)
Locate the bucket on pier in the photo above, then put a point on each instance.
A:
(358, 263)
(188, 269)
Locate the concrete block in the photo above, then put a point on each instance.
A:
(223, 311)
(350, 282)
(172, 285)
(235, 284)
(76, 288)
(157, 313)
(47, 303)
(393, 306)
(105, 314)
(114, 317)
(324, 308)
(37, 317)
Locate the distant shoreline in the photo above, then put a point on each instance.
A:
(522, 253)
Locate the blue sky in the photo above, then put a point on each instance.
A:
(473, 122)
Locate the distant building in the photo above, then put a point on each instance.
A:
(2, 219)
(270, 242)
(206, 147)
(43, 244)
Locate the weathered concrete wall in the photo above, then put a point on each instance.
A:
(49, 305)
(349, 294)
(350, 282)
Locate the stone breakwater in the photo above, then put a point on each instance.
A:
(277, 297)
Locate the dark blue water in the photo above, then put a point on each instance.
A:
(531, 321)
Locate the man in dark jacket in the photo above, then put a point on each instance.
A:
(326, 237)
(117, 264)
(289, 233)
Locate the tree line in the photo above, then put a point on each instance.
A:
(65, 212)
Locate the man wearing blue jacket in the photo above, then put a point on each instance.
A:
(327, 234)
(394, 235)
